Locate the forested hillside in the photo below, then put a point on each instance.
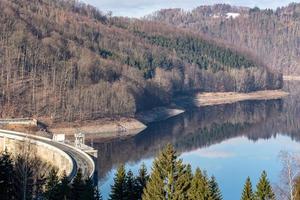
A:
(66, 60)
(272, 35)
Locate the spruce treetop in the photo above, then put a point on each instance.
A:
(215, 193)
(264, 190)
(247, 192)
(118, 189)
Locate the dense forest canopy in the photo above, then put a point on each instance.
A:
(65, 60)
(272, 35)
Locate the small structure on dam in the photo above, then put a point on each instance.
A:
(80, 144)
(16, 144)
(64, 156)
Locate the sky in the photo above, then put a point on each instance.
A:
(139, 8)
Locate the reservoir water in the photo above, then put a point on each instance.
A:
(230, 141)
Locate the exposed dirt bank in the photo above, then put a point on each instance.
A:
(114, 128)
(291, 78)
(158, 114)
(208, 99)
(217, 98)
(103, 127)
(125, 127)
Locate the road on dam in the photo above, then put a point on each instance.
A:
(80, 159)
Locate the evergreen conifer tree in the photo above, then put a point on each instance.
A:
(89, 190)
(141, 181)
(263, 189)
(189, 171)
(199, 189)
(183, 182)
(169, 178)
(118, 189)
(52, 185)
(77, 187)
(97, 194)
(215, 193)
(64, 188)
(155, 188)
(248, 192)
(6, 176)
(130, 192)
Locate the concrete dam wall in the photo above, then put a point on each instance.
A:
(47, 153)
(63, 156)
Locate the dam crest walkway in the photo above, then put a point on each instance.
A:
(75, 158)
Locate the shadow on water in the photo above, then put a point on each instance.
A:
(202, 127)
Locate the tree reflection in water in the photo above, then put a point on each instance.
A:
(202, 127)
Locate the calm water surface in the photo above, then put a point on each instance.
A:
(230, 142)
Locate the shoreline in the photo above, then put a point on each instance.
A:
(291, 78)
(158, 114)
(104, 128)
(109, 128)
(115, 128)
(217, 98)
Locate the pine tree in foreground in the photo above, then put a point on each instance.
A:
(64, 188)
(215, 193)
(169, 178)
(6, 176)
(77, 187)
(189, 174)
(52, 185)
(199, 189)
(130, 192)
(141, 181)
(248, 192)
(89, 190)
(118, 189)
(155, 187)
(263, 189)
(97, 194)
(183, 182)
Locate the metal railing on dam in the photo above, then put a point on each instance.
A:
(65, 157)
